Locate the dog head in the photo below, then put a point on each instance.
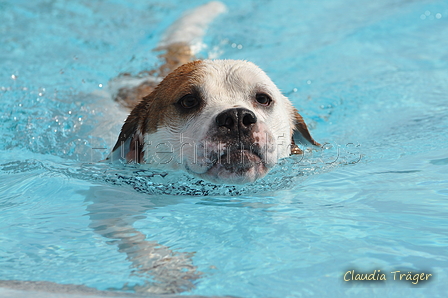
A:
(224, 121)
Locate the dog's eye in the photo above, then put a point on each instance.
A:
(263, 99)
(188, 101)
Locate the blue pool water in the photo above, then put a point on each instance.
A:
(370, 78)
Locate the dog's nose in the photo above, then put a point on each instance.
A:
(236, 118)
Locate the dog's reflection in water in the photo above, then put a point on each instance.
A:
(113, 213)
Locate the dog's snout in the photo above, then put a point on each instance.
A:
(236, 118)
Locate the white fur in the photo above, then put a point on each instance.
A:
(225, 84)
(190, 28)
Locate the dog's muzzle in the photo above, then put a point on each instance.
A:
(235, 154)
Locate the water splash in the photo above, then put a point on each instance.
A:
(285, 175)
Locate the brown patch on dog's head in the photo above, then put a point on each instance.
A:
(156, 109)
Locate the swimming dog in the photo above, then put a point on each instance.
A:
(220, 120)
(224, 121)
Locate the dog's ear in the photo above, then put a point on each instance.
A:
(301, 134)
(129, 146)
(130, 143)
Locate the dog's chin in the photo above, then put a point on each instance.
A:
(238, 167)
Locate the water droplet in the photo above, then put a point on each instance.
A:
(13, 77)
(41, 91)
(100, 85)
(438, 15)
(308, 82)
